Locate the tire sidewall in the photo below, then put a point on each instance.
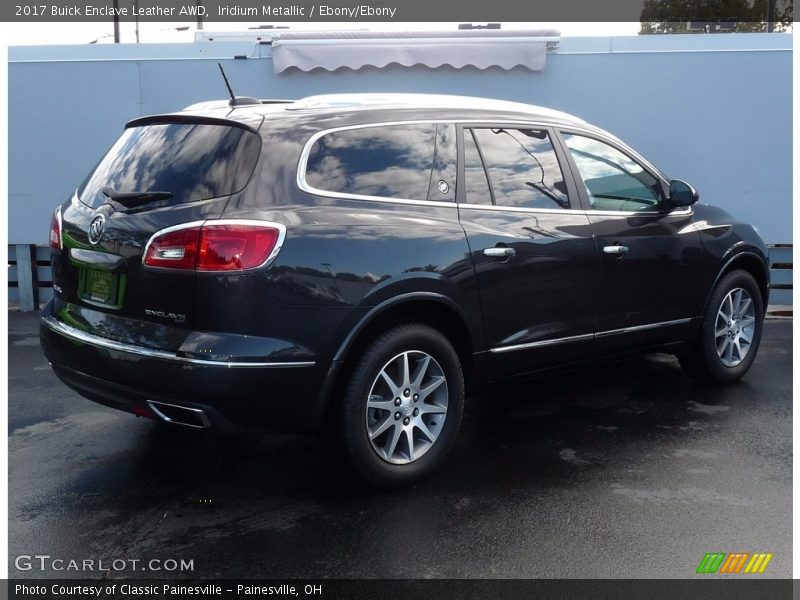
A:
(401, 339)
(718, 371)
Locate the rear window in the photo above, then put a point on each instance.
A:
(192, 161)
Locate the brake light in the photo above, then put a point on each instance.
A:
(214, 246)
(235, 247)
(55, 230)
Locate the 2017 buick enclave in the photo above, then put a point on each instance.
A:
(356, 261)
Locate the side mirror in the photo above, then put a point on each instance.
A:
(682, 194)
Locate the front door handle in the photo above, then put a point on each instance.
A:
(499, 252)
(619, 250)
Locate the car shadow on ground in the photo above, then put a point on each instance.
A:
(521, 434)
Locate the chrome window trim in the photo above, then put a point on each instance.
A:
(611, 213)
(588, 336)
(304, 186)
(256, 222)
(566, 211)
(622, 147)
(94, 340)
(617, 143)
(310, 189)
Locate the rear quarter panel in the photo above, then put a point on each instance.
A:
(341, 257)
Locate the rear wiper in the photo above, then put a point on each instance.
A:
(131, 199)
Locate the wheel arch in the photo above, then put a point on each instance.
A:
(750, 261)
(429, 308)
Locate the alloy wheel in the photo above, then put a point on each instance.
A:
(735, 327)
(406, 407)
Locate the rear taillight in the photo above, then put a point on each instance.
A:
(174, 248)
(215, 246)
(55, 230)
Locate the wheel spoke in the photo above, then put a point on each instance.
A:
(721, 349)
(423, 368)
(746, 336)
(379, 403)
(388, 422)
(406, 374)
(723, 331)
(393, 441)
(425, 392)
(736, 302)
(729, 299)
(432, 409)
(394, 388)
(743, 306)
(410, 442)
(425, 431)
(729, 353)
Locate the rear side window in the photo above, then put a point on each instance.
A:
(388, 161)
(523, 168)
(192, 161)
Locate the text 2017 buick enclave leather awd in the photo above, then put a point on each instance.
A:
(357, 261)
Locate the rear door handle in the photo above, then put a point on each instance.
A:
(615, 249)
(499, 252)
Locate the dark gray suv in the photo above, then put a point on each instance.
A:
(354, 263)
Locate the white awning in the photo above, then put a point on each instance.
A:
(464, 48)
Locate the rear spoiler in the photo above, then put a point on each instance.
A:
(252, 124)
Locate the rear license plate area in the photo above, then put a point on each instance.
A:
(99, 287)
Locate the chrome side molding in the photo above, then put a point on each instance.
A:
(588, 336)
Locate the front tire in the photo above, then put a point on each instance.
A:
(402, 405)
(728, 342)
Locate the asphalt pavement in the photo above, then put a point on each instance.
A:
(629, 470)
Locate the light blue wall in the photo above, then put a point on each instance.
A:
(715, 110)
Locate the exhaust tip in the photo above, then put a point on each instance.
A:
(180, 415)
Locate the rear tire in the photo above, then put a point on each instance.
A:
(726, 346)
(402, 406)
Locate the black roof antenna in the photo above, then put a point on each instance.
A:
(236, 100)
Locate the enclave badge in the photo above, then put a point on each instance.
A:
(96, 229)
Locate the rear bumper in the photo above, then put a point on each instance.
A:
(229, 393)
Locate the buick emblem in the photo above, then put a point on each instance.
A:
(96, 229)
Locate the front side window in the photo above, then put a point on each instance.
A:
(613, 180)
(522, 166)
(389, 161)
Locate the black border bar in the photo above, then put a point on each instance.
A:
(705, 587)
